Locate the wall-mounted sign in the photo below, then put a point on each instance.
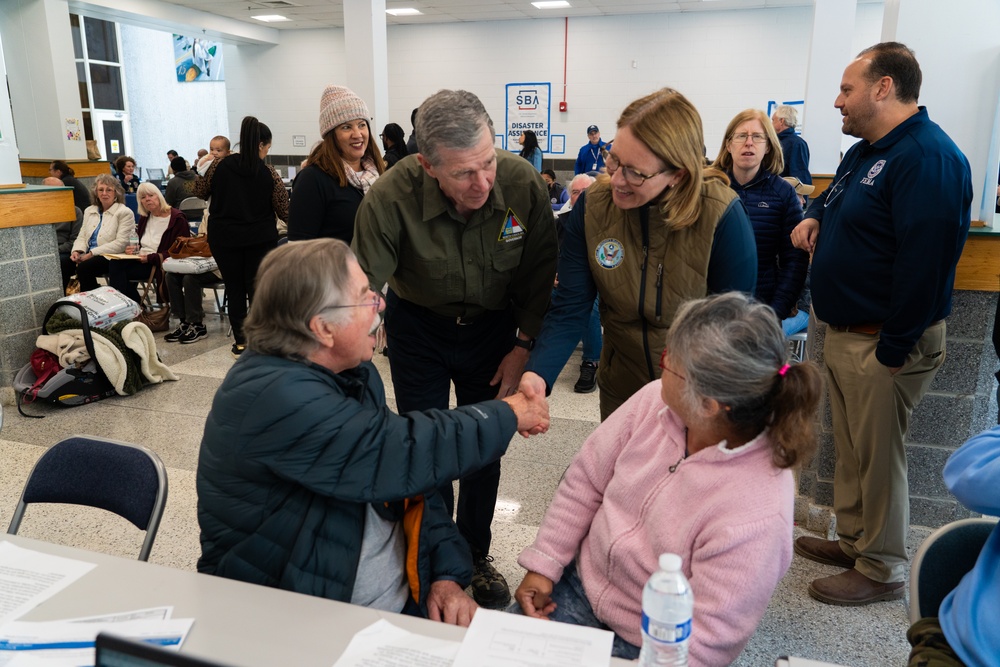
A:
(299, 140)
(528, 108)
(73, 132)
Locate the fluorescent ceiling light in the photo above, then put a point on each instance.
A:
(404, 11)
(551, 4)
(271, 18)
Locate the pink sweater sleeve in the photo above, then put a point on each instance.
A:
(569, 516)
(733, 573)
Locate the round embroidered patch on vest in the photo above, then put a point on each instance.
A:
(609, 253)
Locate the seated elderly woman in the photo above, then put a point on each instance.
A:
(308, 482)
(159, 225)
(695, 464)
(106, 228)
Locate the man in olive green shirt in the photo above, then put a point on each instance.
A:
(464, 236)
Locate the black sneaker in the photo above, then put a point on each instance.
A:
(194, 332)
(238, 350)
(177, 333)
(588, 378)
(489, 588)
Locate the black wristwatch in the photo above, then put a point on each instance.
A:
(529, 345)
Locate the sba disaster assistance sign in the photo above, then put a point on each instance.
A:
(528, 109)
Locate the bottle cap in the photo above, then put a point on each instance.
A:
(670, 562)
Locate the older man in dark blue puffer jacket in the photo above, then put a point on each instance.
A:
(308, 482)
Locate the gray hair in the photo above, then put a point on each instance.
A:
(450, 119)
(788, 114)
(730, 349)
(106, 179)
(296, 282)
(582, 179)
(149, 188)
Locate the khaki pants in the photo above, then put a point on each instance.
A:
(930, 646)
(871, 411)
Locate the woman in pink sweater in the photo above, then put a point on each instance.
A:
(696, 464)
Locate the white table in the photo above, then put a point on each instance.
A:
(236, 623)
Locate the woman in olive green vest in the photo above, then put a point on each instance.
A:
(659, 230)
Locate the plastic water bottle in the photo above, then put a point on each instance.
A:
(667, 604)
(133, 241)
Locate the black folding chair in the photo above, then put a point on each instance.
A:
(129, 480)
(946, 556)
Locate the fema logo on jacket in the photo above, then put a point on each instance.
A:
(873, 172)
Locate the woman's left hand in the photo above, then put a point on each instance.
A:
(534, 596)
(143, 258)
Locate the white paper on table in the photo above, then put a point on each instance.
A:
(499, 639)
(792, 661)
(382, 644)
(151, 614)
(69, 644)
(29, 577)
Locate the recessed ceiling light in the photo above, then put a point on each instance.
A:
(404, 11)
(271, 18)
(551, 4)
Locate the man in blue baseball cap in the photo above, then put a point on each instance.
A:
(590, 157)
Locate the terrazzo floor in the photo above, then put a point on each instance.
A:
(169, 418)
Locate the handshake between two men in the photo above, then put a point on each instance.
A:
(529, 405)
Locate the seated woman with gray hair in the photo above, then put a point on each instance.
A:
(158, 227)
(696, 464)
(106, 228)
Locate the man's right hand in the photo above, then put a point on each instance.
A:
(804, 235)
(529, 405)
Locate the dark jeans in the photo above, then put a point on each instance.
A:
(186, 296)
(88, 272)
(123, 272)
(572, 606)
(67, 267)
(428, 352)
(238, 267)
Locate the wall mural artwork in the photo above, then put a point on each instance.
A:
(197, 59)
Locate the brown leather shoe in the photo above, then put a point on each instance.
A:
(823, 551)
(853, 589)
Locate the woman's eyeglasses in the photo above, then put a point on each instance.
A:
(755, 137)
(632, 177)
(663, 366)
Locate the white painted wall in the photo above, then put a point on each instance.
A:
(166, 114)
(281, 85)
(724, 61)
(10, 169)
(958, 46)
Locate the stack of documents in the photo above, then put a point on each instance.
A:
(28, 578)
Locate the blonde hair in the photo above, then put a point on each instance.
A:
(669, 125)
(149, 188)
(774, 160)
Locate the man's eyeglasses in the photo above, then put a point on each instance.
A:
(373, 302)
(632, 177)
(837, 189)
(755, 137)
(663, 366)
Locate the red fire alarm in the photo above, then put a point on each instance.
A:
(562, 106)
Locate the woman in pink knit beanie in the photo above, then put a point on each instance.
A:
(338, 172)
(697, 464)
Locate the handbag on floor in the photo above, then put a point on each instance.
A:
(157, 318)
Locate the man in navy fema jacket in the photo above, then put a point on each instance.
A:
(885, 240)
